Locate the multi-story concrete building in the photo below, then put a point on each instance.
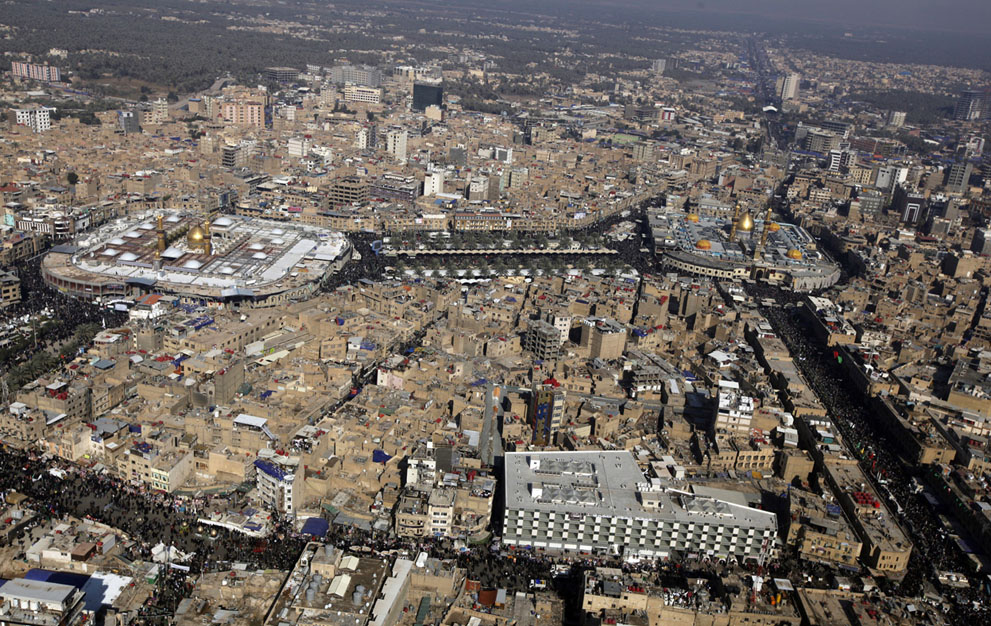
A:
(356, 75)
(349, 190)
(36, 71)
(358, 93)
(243, 113)
(10, 289)
(788, 86)
(164, 469)
(605, 338)
(396, 144)
(281, 74)
(733, 410)
(280, 482)
(600, 502)
(543, 340)
(38, 120)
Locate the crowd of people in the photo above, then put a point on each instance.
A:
(934, 550)
(41, 303)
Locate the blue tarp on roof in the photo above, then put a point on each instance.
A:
(316, 526)
(271, 469)
(379, 456)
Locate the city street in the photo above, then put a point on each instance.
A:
(933, 549)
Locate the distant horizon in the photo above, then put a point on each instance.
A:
(950, 16)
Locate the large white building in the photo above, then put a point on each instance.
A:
(600, 502)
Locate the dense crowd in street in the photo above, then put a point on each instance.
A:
(933, 549)
(69, 313)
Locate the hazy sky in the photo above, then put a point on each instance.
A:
(963, 15)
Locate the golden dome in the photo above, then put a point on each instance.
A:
(692, 217)
(795, 253)
(195, 235)
(746, 223)
(774, 227)
(703, 244)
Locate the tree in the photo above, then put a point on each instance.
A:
(72, 177)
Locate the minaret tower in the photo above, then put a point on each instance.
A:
(162, 245)
(759, 250)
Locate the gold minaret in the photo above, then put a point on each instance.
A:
(207, 238)
(736, 217)
(759, 250)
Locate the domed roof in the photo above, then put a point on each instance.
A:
(195, 235)
(703, 244)
(746, 223)
(774, 227)
(795, 253)
(692, 217)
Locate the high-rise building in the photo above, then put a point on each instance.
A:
(518, 177)
(361, 138)
(970, 106)
(425, 94)
(235, 157)
(280, 483)
(160, 111)
(889, 176)
(643, 151)
(38, 120)
(788, 86)
(127, 122)
(478, 188)
(503, 155)
(909, 204)
(396, 144)
(605, 338)
(896, 118)
(298, 147)
(433, 183)
(958, 176)
(247, 113)
(981, 243)
(821, 141)
(349, 190)
(659, 65)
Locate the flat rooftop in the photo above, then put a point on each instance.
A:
(611, 484)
